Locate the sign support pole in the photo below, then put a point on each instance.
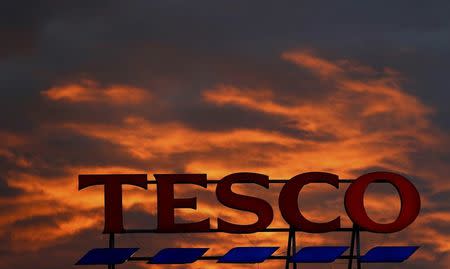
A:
(111, 245)
(291, 248)
(294, 247)
(288, 254)
(355, 240)
(358, 248)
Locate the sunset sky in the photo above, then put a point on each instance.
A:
(217, 87)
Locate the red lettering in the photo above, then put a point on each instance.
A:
(288, 202)
(167, 203)
(261, 208)
(409, 197)
(113, 195)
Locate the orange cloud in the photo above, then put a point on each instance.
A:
(89, 91)
(321, 66)
(11, 140)
(48, 234)
(145, 139)
(371, 119)
(58, 197)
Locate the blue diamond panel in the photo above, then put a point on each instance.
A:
(388, 254)
(178, 255)
(99, 256)
(247, 255)
(318, 254)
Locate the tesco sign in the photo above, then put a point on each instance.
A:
(287, 201)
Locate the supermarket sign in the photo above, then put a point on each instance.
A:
(288, 205)
(287, 201)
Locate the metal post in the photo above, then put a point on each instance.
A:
(294, 248)
(358, 248)
(352, 248)
(111, 245)
(288, 254)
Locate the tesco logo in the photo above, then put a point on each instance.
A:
(287, 201)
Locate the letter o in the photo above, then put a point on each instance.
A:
(409, 197)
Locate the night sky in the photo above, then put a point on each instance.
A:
(217, 87)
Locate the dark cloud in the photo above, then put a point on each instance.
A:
(7, 191)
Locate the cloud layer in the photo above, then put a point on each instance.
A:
(366, 121)
(218, 88)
